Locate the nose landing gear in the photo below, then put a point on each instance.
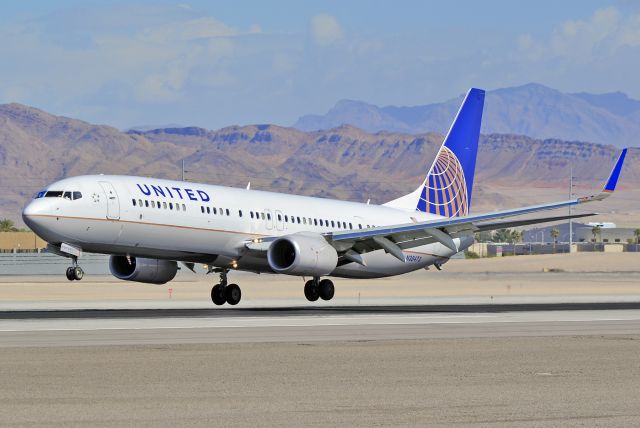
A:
(75, 272)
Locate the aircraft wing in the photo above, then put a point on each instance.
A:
(393, 239)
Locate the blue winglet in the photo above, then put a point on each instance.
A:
(615, 173)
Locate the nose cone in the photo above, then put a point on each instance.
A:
(30, 214)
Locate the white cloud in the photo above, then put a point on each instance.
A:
(325, 30)
(606, 31)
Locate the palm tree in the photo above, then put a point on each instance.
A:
(595, 231)
(554, 234)
(502, 235)
(636, 233)
(6, 225)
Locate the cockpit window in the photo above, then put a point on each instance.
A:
(59, 194)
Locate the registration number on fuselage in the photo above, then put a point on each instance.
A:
(412, 258)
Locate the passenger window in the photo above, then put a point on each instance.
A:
(251, 214)
(240, 213)
(77, 195)
(221, 211)
(164, 205)
(153, 204)
(184, 207)
(159, 205)
(133, 201)
(140, 202)
(146, 203)
(208, 210)
(298, 220)
(202, 209)
(268, 216)
(286, 218)
(262, 215)
(315, 221)
(177, 207)
(279, 217)
(215, 211)
(338, 225)
(360, 226)
(228, 211)
(321, 222)
(350, 226)
(171, 205)
(332, 224)
(344, 224)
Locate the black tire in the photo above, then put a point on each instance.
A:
(326, 289)
(70, 275)
(78, 273)
(311, 291)
(217, 295)
(233, 293)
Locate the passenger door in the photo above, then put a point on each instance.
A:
(279, 220)
(113, 204)
(268, 219)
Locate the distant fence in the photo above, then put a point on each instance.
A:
(499, 250)
(34, 263)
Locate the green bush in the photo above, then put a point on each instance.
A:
(468, 254)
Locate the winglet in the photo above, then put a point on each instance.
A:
(608, 188)
(615, 173)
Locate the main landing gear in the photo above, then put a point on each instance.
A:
(225, 293)
(314, 289)
(75, 272)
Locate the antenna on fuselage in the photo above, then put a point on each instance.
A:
(368, 200)
(249, 186)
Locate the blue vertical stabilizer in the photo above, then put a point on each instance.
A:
(446, 190)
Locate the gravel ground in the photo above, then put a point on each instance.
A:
(568, 381)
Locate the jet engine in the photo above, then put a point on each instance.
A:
(151, 271)
(302, 254)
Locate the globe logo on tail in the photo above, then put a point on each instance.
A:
(445, 190)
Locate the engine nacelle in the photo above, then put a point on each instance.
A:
(151, 271)
(302, 254)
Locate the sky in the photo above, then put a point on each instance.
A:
(214, 64)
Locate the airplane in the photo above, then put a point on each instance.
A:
(148, 226)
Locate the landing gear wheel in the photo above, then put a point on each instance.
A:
(233, 294)
(78, 273)
(311, 291)
(326, 289)
(217, 295)
(70, 275)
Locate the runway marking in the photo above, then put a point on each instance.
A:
(298, 322)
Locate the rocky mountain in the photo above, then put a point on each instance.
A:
(37, 148)
(533, 110)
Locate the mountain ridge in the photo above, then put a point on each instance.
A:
(37, 148)
(532, 109)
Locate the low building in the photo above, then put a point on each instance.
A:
(20, 241)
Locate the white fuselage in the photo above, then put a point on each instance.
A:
(192, 222)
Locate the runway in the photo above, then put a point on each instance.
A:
(316, 324)
(472, 347)
(548, 365)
